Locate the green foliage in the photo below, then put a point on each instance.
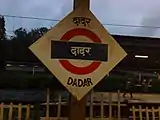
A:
(17, 46)
(114, 83)
(110, 83)
(22, 80)
(2, 28)
(2, 43)
(20, 34)
(37, 33)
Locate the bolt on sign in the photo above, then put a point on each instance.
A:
(78, 51)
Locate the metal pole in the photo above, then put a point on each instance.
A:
(77, 109)
(140, 76)
(81, 3)
(91, 104)
(33, 70)
(119, 105)
(110, 105)
(47, 105)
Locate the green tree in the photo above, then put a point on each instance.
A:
(17, 48)
(37, 33)
(33, 36)
(2, 28)
(2, 43)
(19, 44)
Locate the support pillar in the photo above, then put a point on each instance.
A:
(77, 109)
(81, 3)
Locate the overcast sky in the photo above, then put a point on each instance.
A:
(122, 12)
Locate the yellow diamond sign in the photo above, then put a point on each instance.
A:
(78, 51)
